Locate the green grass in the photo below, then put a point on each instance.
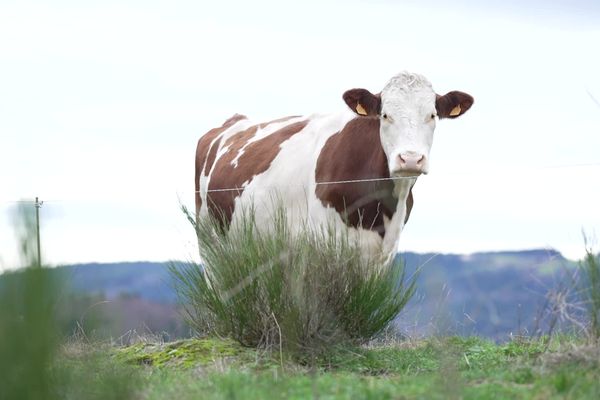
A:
(436, 368)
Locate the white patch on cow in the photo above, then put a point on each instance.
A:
(293, 169)
(386, 222)
(396, 225)
(407, 119)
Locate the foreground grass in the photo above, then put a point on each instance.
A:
(468, 368)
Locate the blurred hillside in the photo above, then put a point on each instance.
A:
(487, 294)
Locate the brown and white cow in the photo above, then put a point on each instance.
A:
(329, 168)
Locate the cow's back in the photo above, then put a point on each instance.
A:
(243, 163)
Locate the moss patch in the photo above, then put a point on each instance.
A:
(183, 353)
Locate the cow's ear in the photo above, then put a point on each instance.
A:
(453, 104)
(363, 102)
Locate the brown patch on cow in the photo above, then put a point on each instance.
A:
(256, 159)
(238, 140)
(204, 151)
(409, 205)
(212, 154)
(233, 119)
(356, 153)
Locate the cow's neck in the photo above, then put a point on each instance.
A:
(403, 195)
(355, 154)
(380, 205)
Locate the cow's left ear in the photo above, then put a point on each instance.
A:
(363, 102)
(453, 104)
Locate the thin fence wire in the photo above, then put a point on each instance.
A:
(316, 183)
(504, 171)
(398, 178)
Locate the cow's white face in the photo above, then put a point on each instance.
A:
(408, 109)
(408, 117)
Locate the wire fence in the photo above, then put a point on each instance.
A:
(577, 202)
(400, 178)
(573, 203)
(509, 172)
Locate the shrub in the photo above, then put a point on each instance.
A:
(268, 287)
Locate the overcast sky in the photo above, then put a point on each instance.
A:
(101, 105)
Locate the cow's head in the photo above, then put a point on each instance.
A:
(408, 109)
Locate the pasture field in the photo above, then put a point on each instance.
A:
(288, 356)
(434, 368)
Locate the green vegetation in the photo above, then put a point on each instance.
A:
(303, 292)
(28, 338)
(183, 354)
(33, 364)
(435, 368)
(38, 362)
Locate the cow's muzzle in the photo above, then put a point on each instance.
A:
(410, 164)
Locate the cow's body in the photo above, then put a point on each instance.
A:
(323, 169)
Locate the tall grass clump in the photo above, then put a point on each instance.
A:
(273, 289)
(590, 290)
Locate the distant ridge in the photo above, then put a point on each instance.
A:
(491, 294)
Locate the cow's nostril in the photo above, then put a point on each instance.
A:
(420, 161)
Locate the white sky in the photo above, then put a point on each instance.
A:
(101, 105)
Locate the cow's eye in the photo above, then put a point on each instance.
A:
(433, 116)
(384, 116)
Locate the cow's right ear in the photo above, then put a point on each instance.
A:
(453, 104)
(363, 102)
